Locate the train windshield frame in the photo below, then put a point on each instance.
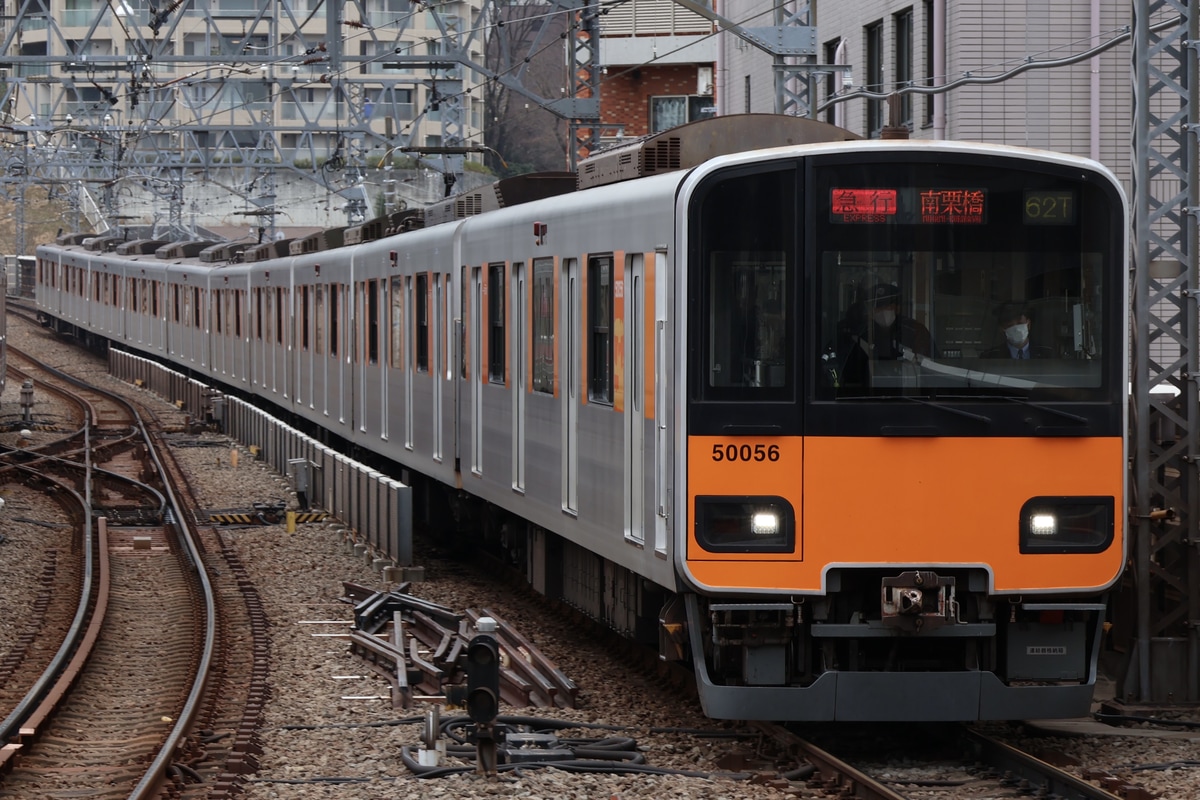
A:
(943, 291)
(955, 278)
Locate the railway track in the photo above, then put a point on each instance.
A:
(123, 689)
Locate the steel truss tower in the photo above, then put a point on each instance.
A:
(1165, 414)
(102, 96)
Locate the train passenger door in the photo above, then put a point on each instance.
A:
(570, 322)
(410, 361)
(663, 464)
(635, 413)
(439, 367)
(520, 316)
(476, 371)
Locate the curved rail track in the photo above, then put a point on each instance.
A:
(127, 682)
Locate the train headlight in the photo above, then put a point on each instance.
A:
(1067, 524)
(745, 524)
(764, 523)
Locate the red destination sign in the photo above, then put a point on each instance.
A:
(864, 205)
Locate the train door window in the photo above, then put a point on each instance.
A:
(334, 308)
(175, 304)
(496, 320)
(422, 321)
(238, 294)
(397, 324)
(542, 329)
(154, 289)
(196, 322)
(305, 320)
(462, 329)
(372, 322)
(116, 290)
(319, 320)
(279, 314)
(258, 313)
(219, 296)
(600, 328)
(96, 291)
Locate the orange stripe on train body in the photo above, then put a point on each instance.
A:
(908, 501)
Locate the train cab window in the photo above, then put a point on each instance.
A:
(742, 283)
(496, 319)
(955, 281)
(600, 328)
(543, 325)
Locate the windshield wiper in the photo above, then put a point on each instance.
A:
(1078, 420)
(921, 401)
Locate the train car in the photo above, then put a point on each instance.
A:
(838, 423)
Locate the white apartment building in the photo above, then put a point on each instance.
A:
(1084, 109)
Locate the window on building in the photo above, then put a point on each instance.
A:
(875, 108)
(832, 79)
(673, 110)
(600, 328)
(496, 339)
(543, 325)
(904, 62)
(928, 99)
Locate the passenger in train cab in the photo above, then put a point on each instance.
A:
(1015, 321)
(876, 329)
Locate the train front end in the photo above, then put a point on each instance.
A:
(905, 468)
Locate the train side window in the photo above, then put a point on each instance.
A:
(743, 282)
(600, 328)
(543, 325)
(422, 314)
(496, 338)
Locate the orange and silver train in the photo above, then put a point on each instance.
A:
(838, 423)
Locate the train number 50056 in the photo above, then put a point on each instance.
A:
(745, 452)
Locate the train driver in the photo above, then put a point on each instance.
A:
(1015, 320)
(876, 329)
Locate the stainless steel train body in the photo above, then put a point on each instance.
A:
(574, 379)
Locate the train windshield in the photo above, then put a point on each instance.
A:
(944, 279)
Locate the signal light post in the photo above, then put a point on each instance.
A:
(483, 692)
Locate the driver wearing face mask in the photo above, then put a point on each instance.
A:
(893, 333)
(873, 329)
(1015, 323)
